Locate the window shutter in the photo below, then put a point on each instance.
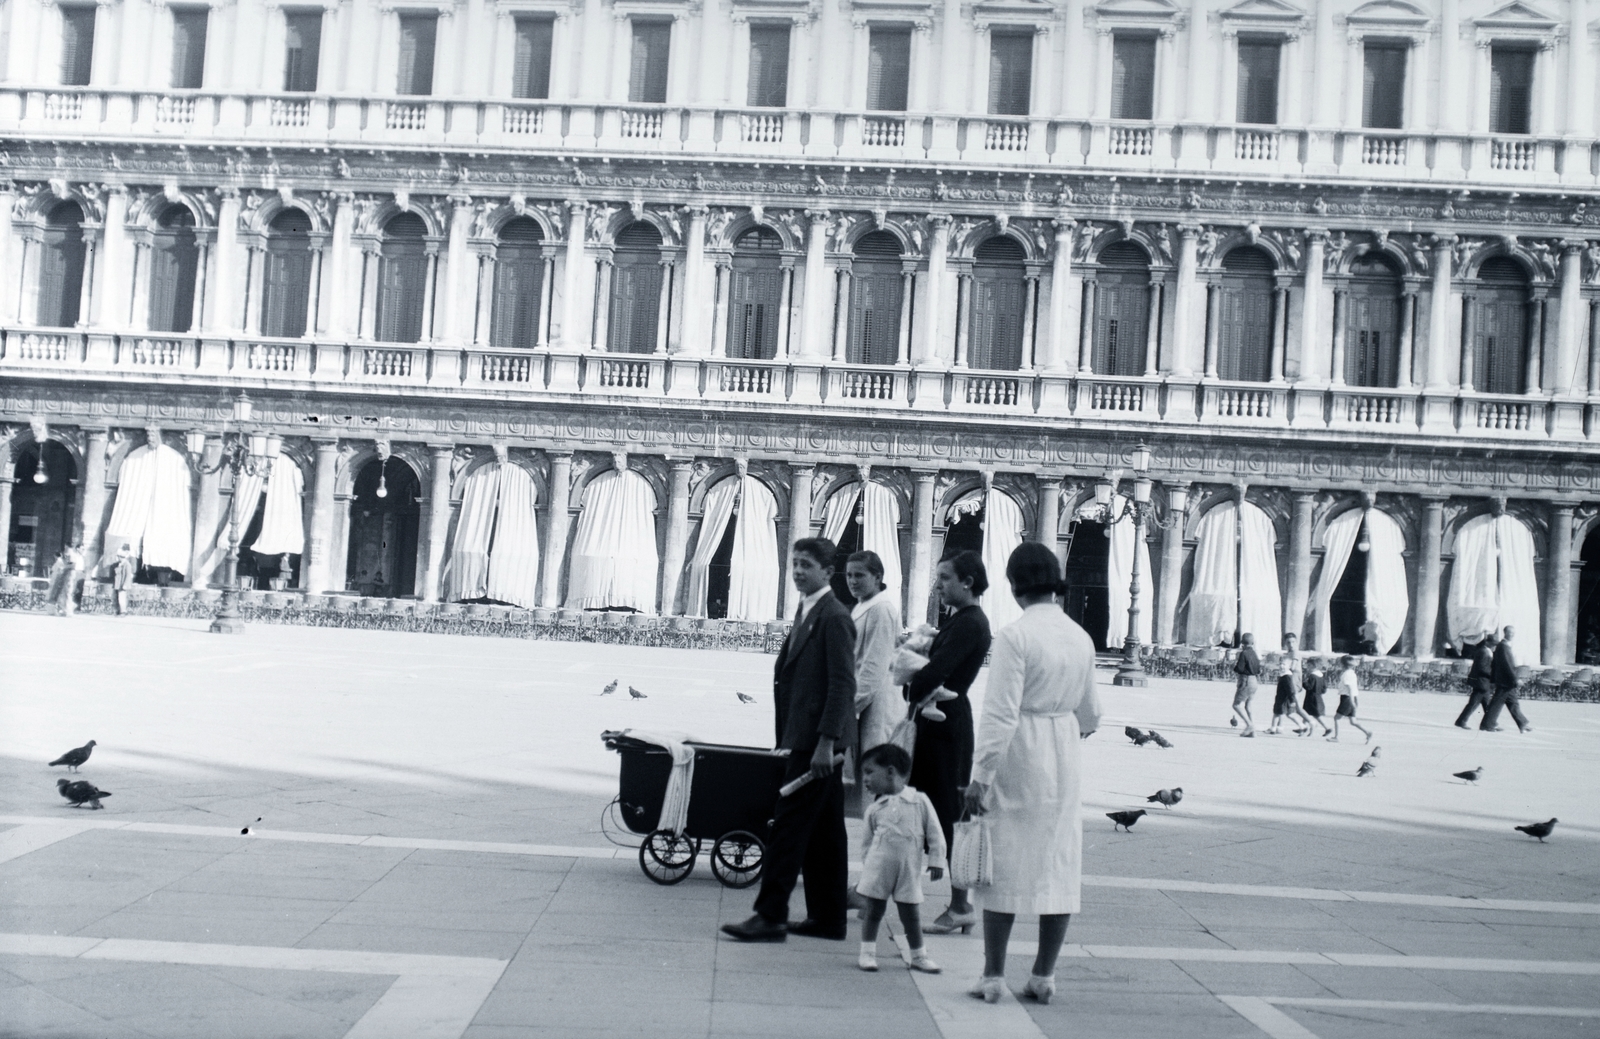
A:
(302, 50)
(174, 262)
(530, 75)
(189, 47)
(402, 282)
(1122, 322)
(1510, 89)
(769, 66)
(1010, 73)
(77, 45)
(518, 274)
(888, 69)
(1133, 74)
(286, 288)
(417, 35)
(53, 287)
(1383, 86)
(647, 80)
(1258, 82)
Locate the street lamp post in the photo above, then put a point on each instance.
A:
(249, 454)
(1142, 511)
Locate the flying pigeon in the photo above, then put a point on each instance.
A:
(1539, 830)
(75, 757)
(745, 699)
(1367, 768)
(1167, 797)
(1133, 734)
(1124, 819)
(81, 793)
(1471, 775)
(608, 690)
(1160, 740)
(246, 831)
(636, 694)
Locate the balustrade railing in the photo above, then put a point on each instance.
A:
(517, 369)
(1131, 140)
(1001, 391)
(862, 384)
(289, 112)
(522, 119)
(1505, 416)
(1383, 151)
(1256, 145)
(624, 375)
(1115, 396)
(387, 364)
(1237, 402)
(156, 353)
(761, 129)
(405, 115)
(1512, 153)
(1369, 409)
(1005, 137)
(883, 133)
(757, 379)
(642, 123)
(175, 111)
(60, 108)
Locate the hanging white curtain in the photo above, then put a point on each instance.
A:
(466, 575)
(152, 510)
(1388, 596)
(716, 513)
(753, 586)
(1002, 533)
(1216, 605)
(880, 533)
(1119, 575)
(1492, 584)
(840, 508)
(283, 521)
(614, 558)
(514, 553)
(1261, 604)
(1337, 542)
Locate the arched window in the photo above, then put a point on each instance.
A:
(755, 294)
(385, 515)
(61, 258)
(518, 285)
(875, 300)
(1244, 344)
(1500, 332)
(1372, 324)
(174, 262)
(286, 279)
(1121, 310)
(998, 302)
(635, 290)
(402, 280)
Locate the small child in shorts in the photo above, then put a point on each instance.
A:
(1349, 695)
(903, 838)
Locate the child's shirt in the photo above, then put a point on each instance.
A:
(906, 820)
(1349, 684)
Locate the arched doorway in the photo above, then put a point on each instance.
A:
(1500, 333)
(755, 294)
(1088, 594)
(518, 285)
(1372, 323)
(998, 301)
(635, 290)
(286, 278)
(1348, 607)
(1587, 644)
(865, 516)
(990, 522)
(734, 572)
(1244, 343)
(174, 264)
(1122, 310)
(61, 259)
(385, 513)
(402, 280)
(42, 511)
(875, 283)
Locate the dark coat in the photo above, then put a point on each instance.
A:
(1482, 672)
(957, 654)
(814, 680)
(1505, 667)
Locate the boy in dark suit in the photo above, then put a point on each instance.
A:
(814, 690)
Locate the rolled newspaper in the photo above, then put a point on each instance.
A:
(799, 781)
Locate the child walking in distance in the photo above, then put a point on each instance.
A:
(903, 837)
(1349, 691)
(1248, 669)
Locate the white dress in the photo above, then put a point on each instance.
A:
(879, 704)
(1040, 696)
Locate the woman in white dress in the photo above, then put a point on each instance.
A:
(1039, 702)
(879, 705)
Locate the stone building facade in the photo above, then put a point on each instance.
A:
(1318, 258)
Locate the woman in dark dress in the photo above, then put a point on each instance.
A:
(942, 764)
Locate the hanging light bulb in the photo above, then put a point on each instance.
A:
(1363, 539)
(39, 473)
(383, 476)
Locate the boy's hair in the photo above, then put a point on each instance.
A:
(1347, 661)
(1247, 639)
(823, 551)
(889, 755)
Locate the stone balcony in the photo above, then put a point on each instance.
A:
(608, 128)
(480, 373)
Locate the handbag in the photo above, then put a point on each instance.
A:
(971, 856)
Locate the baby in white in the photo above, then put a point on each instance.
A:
(903, 839)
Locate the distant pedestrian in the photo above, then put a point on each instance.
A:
(1315, 684)
(64, 580)
(122, 572)
(1247, 666)
(1369, 639)
(1480, 680)
(1349, 699)
(1284, 702)
(1506, 683)
(903, 839)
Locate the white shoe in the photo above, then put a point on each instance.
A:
(919, 961)
(942, 694)
(868, 960)
(933, 714)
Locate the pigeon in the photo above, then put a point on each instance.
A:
(1377, 752)
(1144, 737)
(1367, 768)
(745, 699)
(1539, 830)
(1167, 797)
(608, 690)
(81, 793)
(1159, 740)
(75, 757)
(1136, 735)
(636, 694)
(1471, 775)
(1124, 819)
(246, 831)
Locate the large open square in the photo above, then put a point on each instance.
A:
(426, 858)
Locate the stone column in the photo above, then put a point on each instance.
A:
(1213, 328)
(926, 348)
(1182, 361)
(841, 313)
(1594, 347)
(919, 579)
(318, 574)
(1047, 525)
(1030, 307)
(1311, 330)
(1531, 380)
(11, 251)
(341, 278)
(1086, 331)
(547, 300)
(114, 280)
(92, 516)
(800, 476)
(814, 324)
(964, 319)
(1469, 332)
(1300, 564)
(430, 293)
(1058, 341)
(1569, 346)
(1408, 336)
(691, 337)
(1341, 307)
(438, 519)
(1557, 619)
(669, 269)
(602, 304)
(208, 514)
(1152, 346)
(1171, 582)
(677, 535)
(574, 328)
(460, 274)
(7, 481)
(908, 287)
(223, 313)
(1437, 378)
(559, 522)
(719, 324)
(1430, 571)
(1280, 328)
(785, 306)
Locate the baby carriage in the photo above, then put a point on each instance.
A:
(731, 801)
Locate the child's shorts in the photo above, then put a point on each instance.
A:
(1347, 707)
(891, 872)
(1244, 690)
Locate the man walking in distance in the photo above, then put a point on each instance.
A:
(1505, 687)
(1480, 680)
(814, 691)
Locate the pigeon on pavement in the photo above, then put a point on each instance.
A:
(1136, 735)
(745, 699)
(1367, 768)
(1124, 819)
(1159, 740)
(1471, 775)
(611, 688)
(636, 694)
(246, 831)
(1539, 830)
(1167, 797)
(81, 793)
(75, 757)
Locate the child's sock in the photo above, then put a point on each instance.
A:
(918, 960)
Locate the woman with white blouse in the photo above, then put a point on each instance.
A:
(879, 704)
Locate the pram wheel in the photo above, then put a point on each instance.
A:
(736, 859)
(666, 857)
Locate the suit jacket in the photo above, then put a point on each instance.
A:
(1505, 667)
(814, 681)
(1482, 673)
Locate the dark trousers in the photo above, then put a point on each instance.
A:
(942, 764)
(808, 837)
(1506, 698)
(1482, 693)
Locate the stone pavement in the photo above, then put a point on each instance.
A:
(429, 859)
